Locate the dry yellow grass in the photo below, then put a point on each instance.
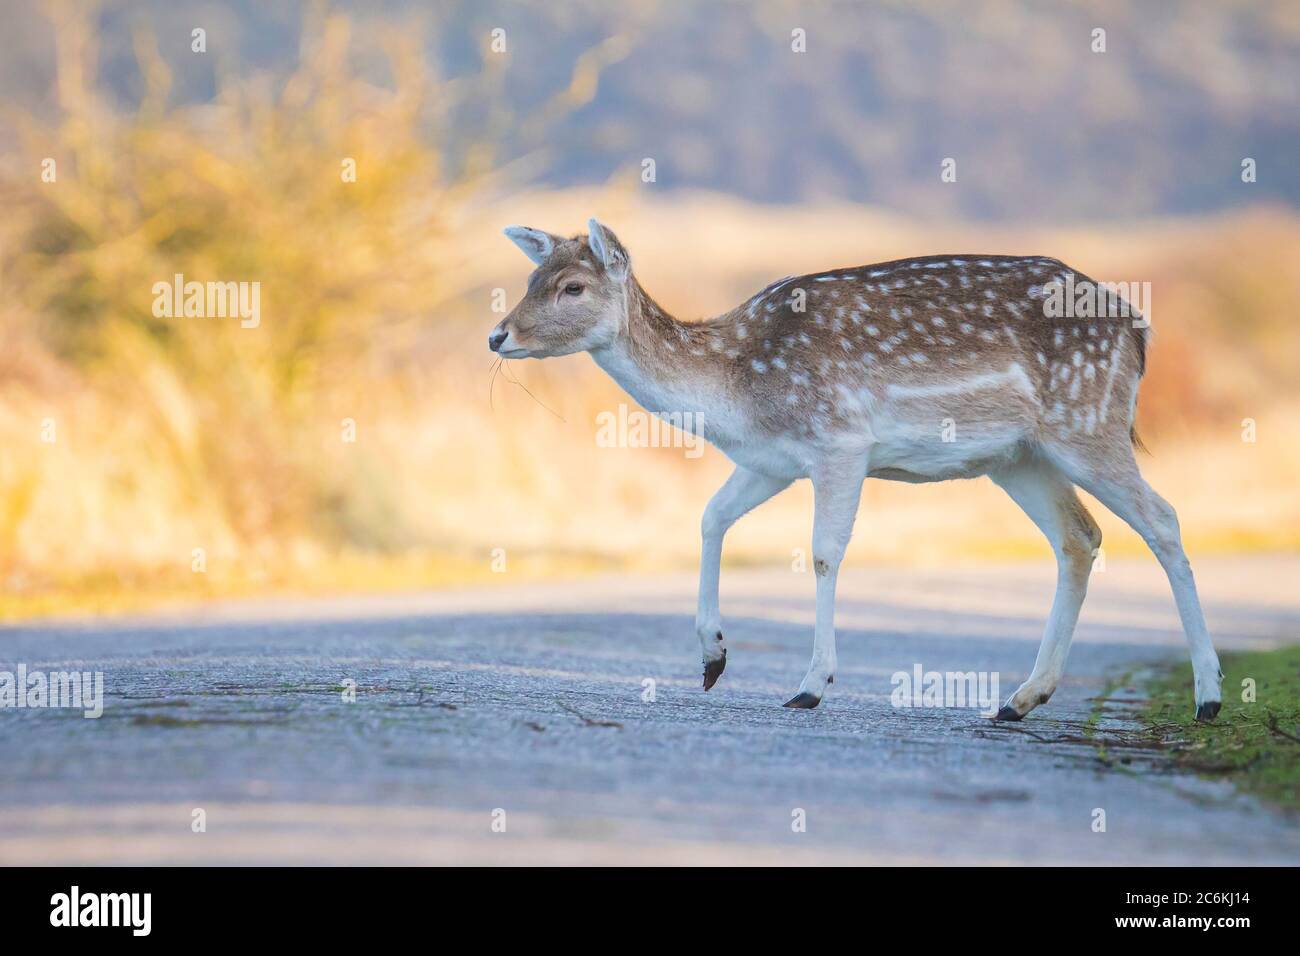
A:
(1224, 350)
(177, 434)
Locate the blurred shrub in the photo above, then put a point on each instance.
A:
(248, 188)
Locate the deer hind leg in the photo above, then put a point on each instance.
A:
(837, 489)
(744, 491)
(1121, 488)
(1048, 498)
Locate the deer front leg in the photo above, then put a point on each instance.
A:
(837, 489)
(742, 492)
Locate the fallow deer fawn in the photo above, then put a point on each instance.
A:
(852, 374)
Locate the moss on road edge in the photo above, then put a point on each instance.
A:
(1255, 742)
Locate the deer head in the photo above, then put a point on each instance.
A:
(576, 299)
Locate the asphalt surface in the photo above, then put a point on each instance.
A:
(528, 706)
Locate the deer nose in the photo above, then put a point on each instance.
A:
(496, 338)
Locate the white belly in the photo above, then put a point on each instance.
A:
(924, 455)
(934, 459)
(775, 457)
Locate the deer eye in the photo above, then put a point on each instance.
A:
(573, 288)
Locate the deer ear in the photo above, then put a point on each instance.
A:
(608, 250)
(537, 245)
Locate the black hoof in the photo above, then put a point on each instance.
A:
(804, 701)
(831, 679)
(713, 669)
(1207, 711)
(1008, 713)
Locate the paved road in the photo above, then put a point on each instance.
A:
(529, 700)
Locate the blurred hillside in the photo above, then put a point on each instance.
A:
(128, 441)
(1041, 126)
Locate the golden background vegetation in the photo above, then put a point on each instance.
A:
(176, 434)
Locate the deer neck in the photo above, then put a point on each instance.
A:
(665, 364)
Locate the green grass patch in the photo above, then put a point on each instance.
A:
(1255, 742)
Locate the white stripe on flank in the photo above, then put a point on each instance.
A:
(1014, 376)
